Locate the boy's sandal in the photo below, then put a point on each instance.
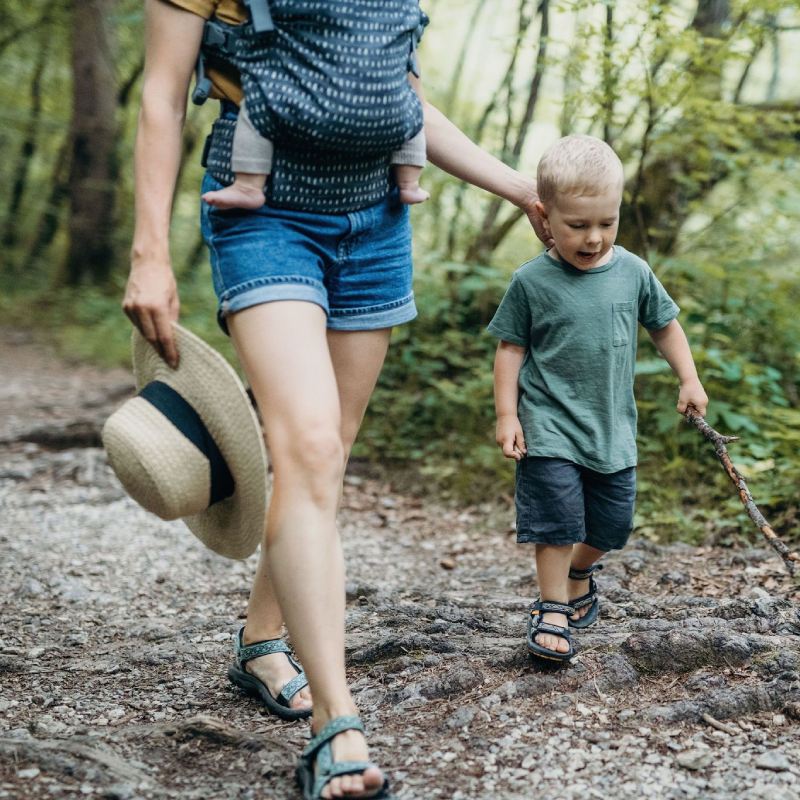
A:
(317, 768)
(536, 625)
(588, 599)
(239, 676)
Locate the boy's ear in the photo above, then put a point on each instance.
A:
(543, 213)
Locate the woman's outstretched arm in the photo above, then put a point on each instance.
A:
(451, 150)
(172, 41)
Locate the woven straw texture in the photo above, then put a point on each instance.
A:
(233, 527)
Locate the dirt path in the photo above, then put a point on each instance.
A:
(115, 634)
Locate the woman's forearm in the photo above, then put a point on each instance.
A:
(172, 43)
(156, 162)
(454, 152)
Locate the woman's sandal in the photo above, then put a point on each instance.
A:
(588, 599)
(536, 625)
(239, 676)
(317, 768)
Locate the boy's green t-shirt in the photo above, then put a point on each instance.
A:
(579, 327)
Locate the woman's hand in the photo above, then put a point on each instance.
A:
(151, 303)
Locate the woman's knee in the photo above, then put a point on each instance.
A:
(313, 455)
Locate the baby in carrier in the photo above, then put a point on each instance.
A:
(318, 82)
(251, 162)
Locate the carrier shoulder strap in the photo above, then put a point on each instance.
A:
(221, 38)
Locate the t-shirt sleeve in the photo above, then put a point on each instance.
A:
(656, 307)
(512, 320)
(203, 8)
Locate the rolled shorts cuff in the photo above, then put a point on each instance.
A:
(267, 291)
(373, 318)
(608, 540)
(557, 538)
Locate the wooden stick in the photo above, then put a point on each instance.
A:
(790, 558)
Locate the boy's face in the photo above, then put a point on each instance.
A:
(583, 227)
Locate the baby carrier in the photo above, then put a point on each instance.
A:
(327, 83)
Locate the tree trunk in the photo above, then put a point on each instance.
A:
(93, 136)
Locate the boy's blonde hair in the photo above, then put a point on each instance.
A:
(578, 165)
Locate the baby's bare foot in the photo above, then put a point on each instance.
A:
(236, 195)
(411, 195)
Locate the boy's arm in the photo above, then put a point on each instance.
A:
(507, 363)
(672, 344)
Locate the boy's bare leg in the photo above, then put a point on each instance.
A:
(407, 178)
(247, 191)
(552, 567)
(583, 556)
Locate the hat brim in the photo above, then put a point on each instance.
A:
(233, 527)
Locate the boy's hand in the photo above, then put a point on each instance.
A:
(692, 394)
(509, 436)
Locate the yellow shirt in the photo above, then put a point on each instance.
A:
(225, 83)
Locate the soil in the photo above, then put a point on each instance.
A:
(116, 629)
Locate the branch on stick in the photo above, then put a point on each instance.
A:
(790, 558)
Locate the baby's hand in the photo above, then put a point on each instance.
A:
(692, 393)
(510, 438)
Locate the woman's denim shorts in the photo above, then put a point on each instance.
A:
(357, 266)
(560, 503)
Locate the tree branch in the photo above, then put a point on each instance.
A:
(790, 558)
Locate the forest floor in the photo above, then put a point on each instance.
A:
(115, 636)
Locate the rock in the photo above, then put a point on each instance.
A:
(773, 760)
(695, 759)
(674, 578)
(29, 773)
(462, 717)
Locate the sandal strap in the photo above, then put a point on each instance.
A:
(556, 630)
(292, 687)
(336, 726)
(583, 574)
(334, 769)
(247, 652)
(586, 599)
(548, 606)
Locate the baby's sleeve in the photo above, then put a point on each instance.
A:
(656, 307)
(512, 320)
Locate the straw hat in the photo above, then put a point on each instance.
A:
(189, 446)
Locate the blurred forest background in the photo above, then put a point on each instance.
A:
(699, 98)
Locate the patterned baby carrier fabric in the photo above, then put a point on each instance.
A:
(329, 86)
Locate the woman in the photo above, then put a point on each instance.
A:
(312, 362)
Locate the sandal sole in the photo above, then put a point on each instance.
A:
(253, 686)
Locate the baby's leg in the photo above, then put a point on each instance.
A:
(408, 162)
(251, 162)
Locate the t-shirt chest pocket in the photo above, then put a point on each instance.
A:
(623, 323)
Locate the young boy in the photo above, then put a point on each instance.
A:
(563, 379)
(251, 162)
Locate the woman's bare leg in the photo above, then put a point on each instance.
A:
(284, 350)
(357, 358)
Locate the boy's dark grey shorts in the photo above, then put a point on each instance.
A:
(560, 502)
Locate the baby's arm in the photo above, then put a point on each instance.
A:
(672, 344)
(507, 363)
